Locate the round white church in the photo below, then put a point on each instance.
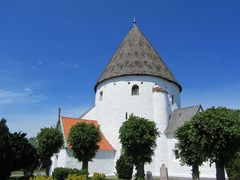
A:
(136, 81)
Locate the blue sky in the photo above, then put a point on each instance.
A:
(52, 52)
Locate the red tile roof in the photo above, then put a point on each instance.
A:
(69, 122)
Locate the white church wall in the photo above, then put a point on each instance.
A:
(91, 114)
(117, 100)
(103, 162)
(175, 168)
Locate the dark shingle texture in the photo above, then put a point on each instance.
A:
(180, 116)
(136, 56)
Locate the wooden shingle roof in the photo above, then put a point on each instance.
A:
(136, 56)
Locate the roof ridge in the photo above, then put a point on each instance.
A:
(79, 119)
(189, 107)
(89, 109)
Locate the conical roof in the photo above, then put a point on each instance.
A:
(136, 56)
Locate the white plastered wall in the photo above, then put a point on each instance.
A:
(103, 162)
(117, 101)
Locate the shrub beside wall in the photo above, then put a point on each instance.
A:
(124, 167)
(41, 178)
(98, 176)
(62, 173)
(76, 177)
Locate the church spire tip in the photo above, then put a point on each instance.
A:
(134, 20)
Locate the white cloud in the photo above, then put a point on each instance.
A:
(39, 62)
(75, 65)
(25, 96)
(34, 68)
(69, 65)
(32, 121)
(28, 90)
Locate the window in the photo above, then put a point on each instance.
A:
(100, 95)
(176, 153)
(172, 99)
(135, 90)
(126, 115)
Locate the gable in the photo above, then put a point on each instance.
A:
(67, 123)
(180, 116)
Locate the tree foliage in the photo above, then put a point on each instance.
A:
(233, 167)
(190, 152)
(124, 167)
(33, 141)
(216, 132)
(24, 154)
(138, 137)
(5, 151)
(84, 139)
(49, 140)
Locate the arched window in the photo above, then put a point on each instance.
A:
(135, 90)
(100, 96)
(172, 98)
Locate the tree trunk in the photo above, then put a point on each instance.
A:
(48, 165)
(140, 171)
(220, 170)
(85, 165)
(195, 172)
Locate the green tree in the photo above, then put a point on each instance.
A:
(49, 140)
(5, 151)
(216, 132)
(233, 167)
(24, 154)
(124, 167)
(190, 153)
(84, 139)
(33, 141)
(138, 137)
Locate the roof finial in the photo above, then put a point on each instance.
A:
(134, 20)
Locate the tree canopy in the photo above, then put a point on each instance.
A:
(49, 140)
(5, 151)
(216, 132)
(138, 137)
(84, 139)
(190, 152)
(24, 154)
(15, 152)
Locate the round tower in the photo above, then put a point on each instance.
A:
(138, 82)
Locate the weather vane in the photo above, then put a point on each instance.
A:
(134, 20)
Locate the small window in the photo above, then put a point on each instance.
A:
(135, 90)
(172, 99)
(100, 95)
(126, 115)
(176, 153)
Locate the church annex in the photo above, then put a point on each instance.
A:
(136, 81)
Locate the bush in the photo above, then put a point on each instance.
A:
(76, 177)
(41, 178)
(62, 173)
(124, 167)
(233, 168)
(98, 176)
